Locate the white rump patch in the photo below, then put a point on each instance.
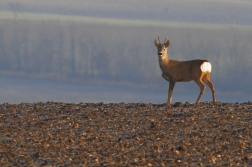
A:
(206, 67)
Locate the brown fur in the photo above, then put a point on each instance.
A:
(182, 71)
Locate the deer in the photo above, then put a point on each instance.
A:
(183, 71)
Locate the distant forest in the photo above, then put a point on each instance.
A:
(121, 54)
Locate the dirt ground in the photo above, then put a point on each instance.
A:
(126, 134)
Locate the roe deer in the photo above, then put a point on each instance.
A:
(183, 71)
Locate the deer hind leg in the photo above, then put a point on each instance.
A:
(206, 79)
(202, 89)
(171, 87)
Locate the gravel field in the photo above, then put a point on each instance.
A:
(126, 134)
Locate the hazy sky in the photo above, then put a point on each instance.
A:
(207, 11)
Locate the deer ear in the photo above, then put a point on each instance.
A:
(167, 43)
(156, 43)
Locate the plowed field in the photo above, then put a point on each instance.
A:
(125, 134)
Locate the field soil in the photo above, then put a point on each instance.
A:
(126, 134)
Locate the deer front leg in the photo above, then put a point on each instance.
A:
(171, 87)
(166, 78)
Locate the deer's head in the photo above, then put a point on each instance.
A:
(162, 48)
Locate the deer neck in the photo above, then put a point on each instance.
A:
(164, 60)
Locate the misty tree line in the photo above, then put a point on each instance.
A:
(60, 50)
(81, 51)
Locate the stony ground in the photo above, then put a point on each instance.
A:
(120, 134)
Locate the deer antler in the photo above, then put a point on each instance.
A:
(158, 39)
(166, 38)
